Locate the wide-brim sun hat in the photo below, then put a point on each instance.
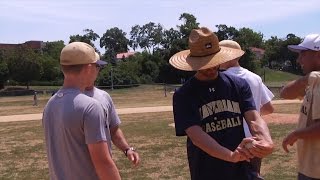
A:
(204, 52)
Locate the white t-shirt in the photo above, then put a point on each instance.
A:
(261, 94)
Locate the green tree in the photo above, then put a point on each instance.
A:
(190, 22)
(289, 55)
(51, 69)
(53, 49)
(4, 71)
(248, 61)
(272, 51)
(148, 36)
(89, 37)
(114, 41)
(248, 38)
(25, 65)
(226, 33)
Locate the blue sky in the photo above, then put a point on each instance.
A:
(51, 20)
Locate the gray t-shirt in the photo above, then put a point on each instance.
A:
(111, 117)
(72, 120)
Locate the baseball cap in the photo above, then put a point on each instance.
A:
(310, 42)
(99, 61)
(77, 53)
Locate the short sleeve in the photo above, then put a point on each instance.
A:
(94, 130)
(112, 115)
(247, 102)
(266, 94)
(185, 115)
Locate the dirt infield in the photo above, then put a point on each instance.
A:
(273, 118)
(281, 118)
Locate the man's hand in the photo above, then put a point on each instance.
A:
(237, 156)
(289, 140)
(254, 147)
(261, 148)
(133, 156)
(244, 150)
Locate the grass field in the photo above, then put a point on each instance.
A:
(163, 155)
(276, 78)
(141, 96)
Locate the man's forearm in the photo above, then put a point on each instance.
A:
(118, 139)
(310, 132)
(202, 140)
(266, 109)
(259, 129)
(294, 89)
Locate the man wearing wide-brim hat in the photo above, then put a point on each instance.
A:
(209, 109)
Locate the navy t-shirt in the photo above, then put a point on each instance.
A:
(218, 107)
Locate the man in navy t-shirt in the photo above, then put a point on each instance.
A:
(209, 109)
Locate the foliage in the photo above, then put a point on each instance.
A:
(151, 65)
(147, 37)
(53, 49)
(114, 41)
(89, 37)
(248, 61)
(4, 71)
(25, 65)
(248, 38)
(51, 69)
(226, 33)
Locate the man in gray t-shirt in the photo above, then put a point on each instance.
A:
(73, 123)
(112, 122)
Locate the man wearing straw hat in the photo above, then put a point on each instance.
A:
(209, 109)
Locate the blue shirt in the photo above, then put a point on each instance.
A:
(218, 106)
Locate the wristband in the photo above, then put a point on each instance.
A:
(128, 149)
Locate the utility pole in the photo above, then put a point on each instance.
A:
(111, 74)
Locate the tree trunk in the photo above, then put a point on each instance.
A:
(1, 85)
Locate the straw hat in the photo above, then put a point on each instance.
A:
(204, 52)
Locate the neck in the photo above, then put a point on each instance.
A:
(73, 82)
(89, 88)
(205, 76)
(233, 63)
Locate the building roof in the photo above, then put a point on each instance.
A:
(125, 55)
(30, 44)
(259, 50)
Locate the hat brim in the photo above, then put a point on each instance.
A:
(296, 48)
(102, 63)
(183, 61)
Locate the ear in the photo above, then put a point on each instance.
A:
(86, 68)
